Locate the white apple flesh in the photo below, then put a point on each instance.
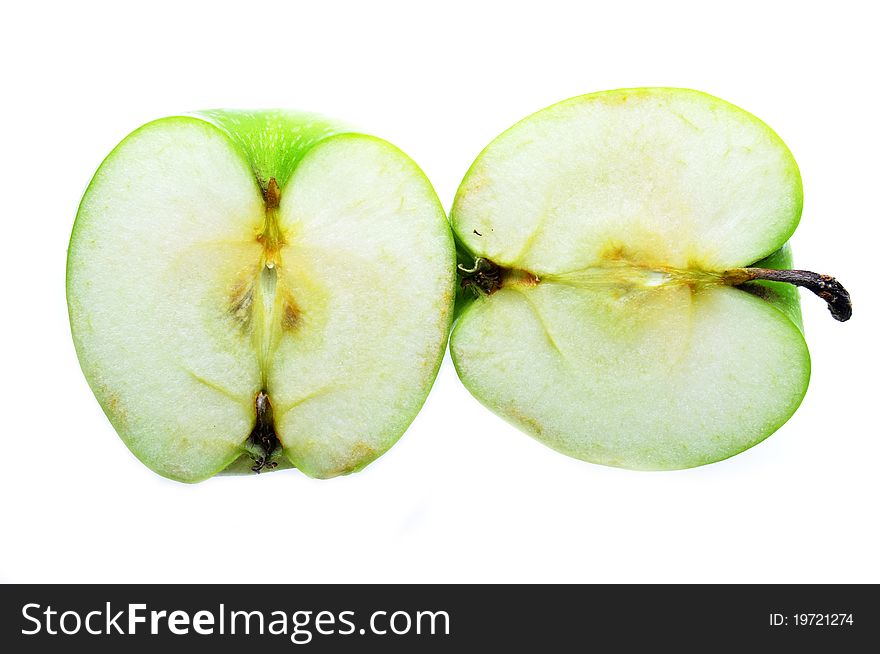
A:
(259, 290)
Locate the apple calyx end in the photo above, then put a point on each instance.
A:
(825, 286)
(485, 276)
(263, 437)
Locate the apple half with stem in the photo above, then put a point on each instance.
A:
(626, 297)
(259, 290)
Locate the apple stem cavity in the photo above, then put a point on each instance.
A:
(825, 286)
(263, 436)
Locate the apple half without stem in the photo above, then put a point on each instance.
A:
(259, 290)
(621, 295)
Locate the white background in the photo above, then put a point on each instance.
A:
(463, 496)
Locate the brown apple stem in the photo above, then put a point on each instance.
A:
(272, 194)
(263, 435)
(825, 286)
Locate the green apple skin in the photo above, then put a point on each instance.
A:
(555, 357)
(274, 141)
(335, 412)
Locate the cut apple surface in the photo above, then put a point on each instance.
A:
(616, 243)
(258, 290)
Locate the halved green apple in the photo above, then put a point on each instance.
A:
(614, 247)
(251, 290)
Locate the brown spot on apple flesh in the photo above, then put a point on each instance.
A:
(290, 314)
(361, 454)
(241, 299)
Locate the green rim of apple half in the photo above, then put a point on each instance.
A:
(625, 297)
(257, 290)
